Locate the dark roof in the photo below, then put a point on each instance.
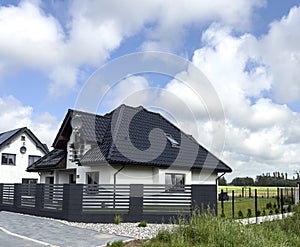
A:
(56, 159)
(123, 137)
(8, 136)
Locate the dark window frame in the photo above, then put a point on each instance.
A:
(176, 184)
(7, 159)
(35, 157)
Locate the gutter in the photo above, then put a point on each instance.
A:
(115, 182)
(220, 176)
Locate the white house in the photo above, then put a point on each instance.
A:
(19, 148)
(126, 146)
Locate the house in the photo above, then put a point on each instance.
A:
(18, 149)
(129, 145)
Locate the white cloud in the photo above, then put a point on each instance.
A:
(32, 38)
(15, 115)
(260, 133)
(281, 51)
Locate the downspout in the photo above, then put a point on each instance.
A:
(115, 182)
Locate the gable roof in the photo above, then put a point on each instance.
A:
(123, 137)
(8, 136)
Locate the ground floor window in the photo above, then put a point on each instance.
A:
(29, 180)
(8, 159)
(92, 177)
(175, 181)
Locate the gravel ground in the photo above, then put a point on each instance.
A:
(123, 229)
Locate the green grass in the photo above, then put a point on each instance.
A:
(244, 204)
(207, 230)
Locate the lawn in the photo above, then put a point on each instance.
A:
(244, 204)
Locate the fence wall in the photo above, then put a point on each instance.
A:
(101, 203)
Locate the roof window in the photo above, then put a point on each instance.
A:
(174, 143)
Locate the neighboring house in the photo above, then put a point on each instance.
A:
(19, 148)
(126, 146)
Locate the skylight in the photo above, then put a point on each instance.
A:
(174, 143)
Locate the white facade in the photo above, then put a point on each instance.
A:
(14, 173)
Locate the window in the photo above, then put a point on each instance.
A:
(22, 138)
(175, 181)
(8, 159)
(174, 143)
(32, 159)
(92, 177)
(29, 180)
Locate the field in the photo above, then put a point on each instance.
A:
(244, 200)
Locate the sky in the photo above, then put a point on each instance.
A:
(248, 50)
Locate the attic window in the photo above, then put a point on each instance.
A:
(22, 138)
(174, 143)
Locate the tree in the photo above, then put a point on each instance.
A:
(222, 181)
(242, 181)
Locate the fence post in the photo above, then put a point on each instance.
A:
(1, 195)
(39, 197)
(250, 193)
(281, 200)
(278, 204)
(255, 202)
(232, 204)
(72, 201)
(17, 195)
(136, 202)
(222, 203)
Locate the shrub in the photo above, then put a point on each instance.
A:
(275, 205)
(276, 211)
(118, 243)
(249, 213)
(264, 212)
(258, 213)
(118, 219)
(289, 209)
(270, 212)
(269, 205)
(143, 224)
(240, 214)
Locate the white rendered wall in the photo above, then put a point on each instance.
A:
(204, 177)
(15, 173)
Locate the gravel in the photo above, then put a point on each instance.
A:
(124, 229)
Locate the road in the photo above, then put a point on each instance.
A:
(25, 230)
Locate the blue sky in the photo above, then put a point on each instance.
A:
(249, 50)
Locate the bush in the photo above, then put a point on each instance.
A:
(270, 212)
(276, 211)
(118, 219)
(118, 243)
(240, 214)
(264, 212)
(249, 213)
(258, 213)
(143, 224)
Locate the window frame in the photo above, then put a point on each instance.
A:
(7, 158)
(175, 187)
(35, 156)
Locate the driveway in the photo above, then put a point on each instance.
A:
(25, 230)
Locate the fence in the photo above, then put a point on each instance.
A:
(258, 202)
(101, 203)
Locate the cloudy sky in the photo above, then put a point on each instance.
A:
(248, 50)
